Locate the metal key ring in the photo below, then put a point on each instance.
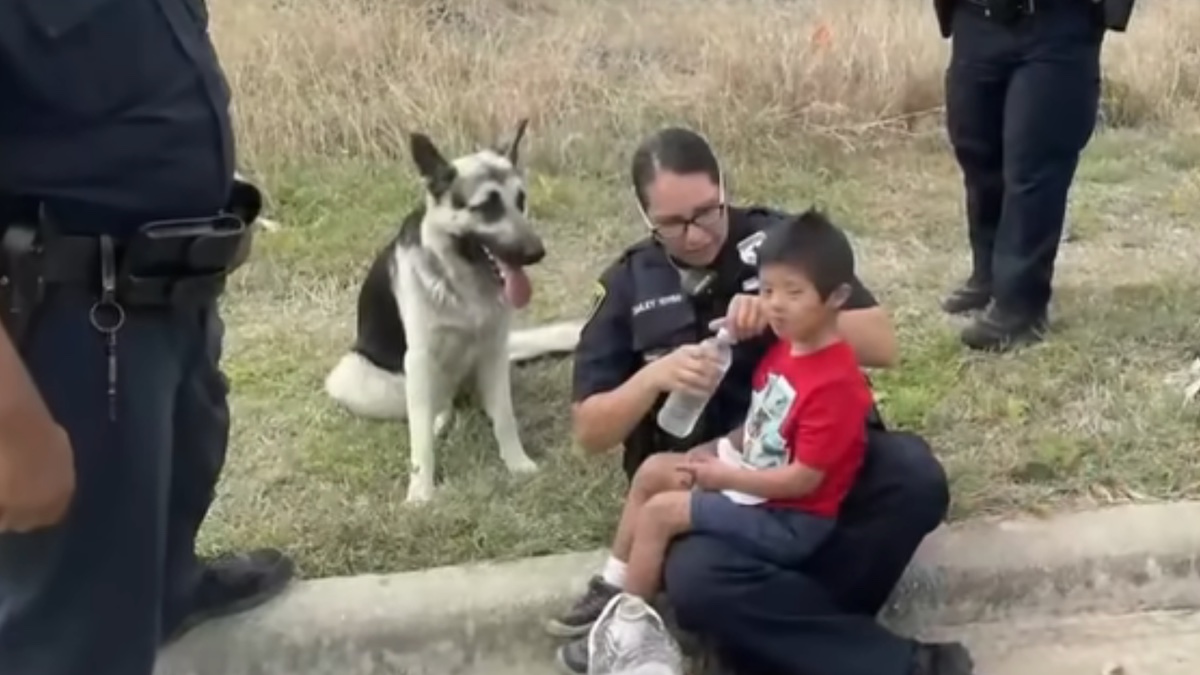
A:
(101, 326)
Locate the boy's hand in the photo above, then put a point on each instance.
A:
(708, 472)
(744, 319)
(704, 449)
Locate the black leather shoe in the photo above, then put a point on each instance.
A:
(234, 583)
(999, 330)
(970, 297)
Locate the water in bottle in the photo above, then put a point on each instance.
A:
(681, 411)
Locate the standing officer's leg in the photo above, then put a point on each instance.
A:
(84, 597)
(1049, 118)
(232, 583)
(981, 62)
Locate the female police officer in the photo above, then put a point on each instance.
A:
(652, 306)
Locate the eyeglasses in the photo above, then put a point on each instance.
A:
(676, 227)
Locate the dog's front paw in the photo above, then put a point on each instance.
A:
(442, 422)
(520, 463)
(419, 491)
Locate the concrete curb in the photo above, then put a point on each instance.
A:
(487, 618)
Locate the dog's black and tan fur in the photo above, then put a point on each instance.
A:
(436, 306)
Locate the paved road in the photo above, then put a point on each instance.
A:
(1140, 644)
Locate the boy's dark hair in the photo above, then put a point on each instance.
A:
(672, 149)
(812, 244)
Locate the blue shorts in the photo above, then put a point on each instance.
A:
(784, 537)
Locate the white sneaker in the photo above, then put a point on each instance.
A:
(630, 638)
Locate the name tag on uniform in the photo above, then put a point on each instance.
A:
(748, 248)
(656, 303)
(750, 285)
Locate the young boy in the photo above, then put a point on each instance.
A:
(773, 486)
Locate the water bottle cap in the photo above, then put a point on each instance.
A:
(723, 335)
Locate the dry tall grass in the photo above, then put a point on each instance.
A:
(350, 77)
(1085, 418)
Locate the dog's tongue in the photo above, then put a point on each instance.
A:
(517, 288)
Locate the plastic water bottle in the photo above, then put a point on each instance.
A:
(681, 411)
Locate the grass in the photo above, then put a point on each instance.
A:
(807, 100)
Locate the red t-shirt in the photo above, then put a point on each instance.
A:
(810, 409)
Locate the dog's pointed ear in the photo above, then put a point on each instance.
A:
(437, 172)
(512, 148)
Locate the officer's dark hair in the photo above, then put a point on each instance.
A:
(674, 149)
(813, 245)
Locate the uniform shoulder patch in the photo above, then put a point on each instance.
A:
(748, 248)
(599, 292)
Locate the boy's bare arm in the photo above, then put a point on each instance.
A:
(736, 437)
(785, 482)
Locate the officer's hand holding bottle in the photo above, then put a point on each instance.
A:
(691, 369)
(37, 466)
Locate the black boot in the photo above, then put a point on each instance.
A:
(231, 584)
(972, 296)
(1000, 330)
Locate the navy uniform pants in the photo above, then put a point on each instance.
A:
(1021, 105)
(819, 619)
(90, 597)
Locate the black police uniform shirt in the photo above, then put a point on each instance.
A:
(642, 313)
(113, 106)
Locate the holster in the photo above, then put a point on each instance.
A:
(174, 261)
(245, 202)
(21, 285)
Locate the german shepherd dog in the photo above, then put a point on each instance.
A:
(436, 306)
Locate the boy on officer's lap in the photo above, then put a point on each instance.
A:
(774, 486)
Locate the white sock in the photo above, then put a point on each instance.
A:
(614, 572)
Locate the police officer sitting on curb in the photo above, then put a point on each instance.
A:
(1022, 95)
(655, 303)
(120, 221)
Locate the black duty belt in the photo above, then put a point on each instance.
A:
(1007, 11)
(165, 263)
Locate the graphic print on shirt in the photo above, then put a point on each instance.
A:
(764, 446)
